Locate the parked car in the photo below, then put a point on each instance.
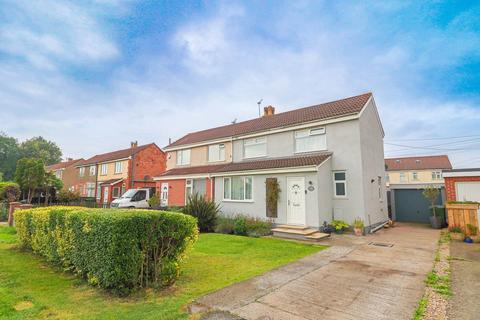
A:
(134, 198)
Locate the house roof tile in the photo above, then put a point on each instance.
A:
(114, 155)
(275, 163)
(334, 109)
(418, 163)
(63, 164)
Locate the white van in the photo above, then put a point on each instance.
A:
(134, 198)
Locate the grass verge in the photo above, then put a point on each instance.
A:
(32, 289)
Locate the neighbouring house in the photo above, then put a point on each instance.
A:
(107, 176)
(406, 179)
(462, 184)
(65, 171)
(326, 160)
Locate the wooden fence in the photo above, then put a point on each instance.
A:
(459, 215)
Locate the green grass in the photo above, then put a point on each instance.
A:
(440, 284)
(32, 289)
(422, 306)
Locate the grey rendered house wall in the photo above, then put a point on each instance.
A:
(343, 140)
(373, 166)
(257, 207)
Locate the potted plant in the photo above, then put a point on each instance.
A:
(339, 226)
(358, 226)
(473, 233)
(432, 193)
(456, 233)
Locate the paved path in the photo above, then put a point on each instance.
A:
(465, 266)
(351, 280)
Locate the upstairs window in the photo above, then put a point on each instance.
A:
(415, 176)
(256, 147)
(93, 170)
(216, 152)
(310, 140)
(183, 157)
(340, 184)
(118, 167)
(402, 177)
(436, 175)
(104, 169)
(81, 171)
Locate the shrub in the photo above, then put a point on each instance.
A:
(9, 191)
(340, 225)
(456, 230)
(154, 201)
(225, 225)
(206, 212)
(240, 226)
(118, 250)
(358, 223)
(472, 229)
(257, 227)
(67, 196)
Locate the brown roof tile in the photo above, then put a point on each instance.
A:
(63, 164)
(334, 109)
(110, 156)
(418, 163)
(275, 163)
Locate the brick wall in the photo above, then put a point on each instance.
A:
(176, 191)
(150, 162)
(450, 185)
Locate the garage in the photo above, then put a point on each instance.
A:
(411, 206)
(462, 184)
(468, 191)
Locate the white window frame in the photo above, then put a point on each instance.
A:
(436, 175)
(220, 154)
(118, 167)
(380, 189)
(188, 185)
(244, 189)
(104, 169)
(339, 181)
(181, 157)
(415, 176)
(59, 174)
(255, 142)
(310, 132)
(90, 187)
(93, 170)
(98, 191)
(403, 177)
(81, 171)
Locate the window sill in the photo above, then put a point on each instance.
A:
(253, 158)
(340, 198)
(241, 201)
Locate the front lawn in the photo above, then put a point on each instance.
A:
(32, 289)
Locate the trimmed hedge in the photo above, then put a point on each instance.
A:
(118, 250)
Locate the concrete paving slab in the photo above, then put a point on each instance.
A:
(350, 280)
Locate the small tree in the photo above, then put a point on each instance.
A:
(51, 181)
(431, 193)
(30, 174)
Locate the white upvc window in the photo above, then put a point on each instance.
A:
(103, 169)
(198, 186)
(81, 171)
(183, 157)
(118, 167)
(216, 152)
(255, 147)
(436, 175)
(93, 170)
(58, 174)
(99, 192)
(238, 188)
(380, 189)
(340, 184)
(415, 176)
(402, 177)
(310, 140)
(90, 189)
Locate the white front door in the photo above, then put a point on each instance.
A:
(164, 194)
(296, 200)
(105, 194)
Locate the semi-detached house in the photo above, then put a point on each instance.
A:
(326, 159)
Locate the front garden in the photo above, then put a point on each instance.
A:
(31, 288)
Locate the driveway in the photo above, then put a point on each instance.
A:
(353, 279)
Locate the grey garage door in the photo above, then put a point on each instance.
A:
(411, 205)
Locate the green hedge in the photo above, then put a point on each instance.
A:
(119, 250)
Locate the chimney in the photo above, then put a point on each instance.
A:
(268, 111)
(133, 144)
(68, 159)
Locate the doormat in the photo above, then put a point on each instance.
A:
(381, 244)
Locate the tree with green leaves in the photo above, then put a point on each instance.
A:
(431, 193)
(51, 181)
(30, 174)
(40, 148)
(9, 155)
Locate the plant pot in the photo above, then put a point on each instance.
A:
(457, 236)
(339, 231)
(358, 231)
(436, 222)
(475, 238)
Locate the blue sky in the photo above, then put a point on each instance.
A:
(95, 75)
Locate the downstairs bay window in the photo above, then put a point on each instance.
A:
(238, 188)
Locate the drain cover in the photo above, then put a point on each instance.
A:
(381, 244)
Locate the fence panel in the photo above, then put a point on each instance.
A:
(459, 215)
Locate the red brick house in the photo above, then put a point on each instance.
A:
(118, 171)
(462, 184)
